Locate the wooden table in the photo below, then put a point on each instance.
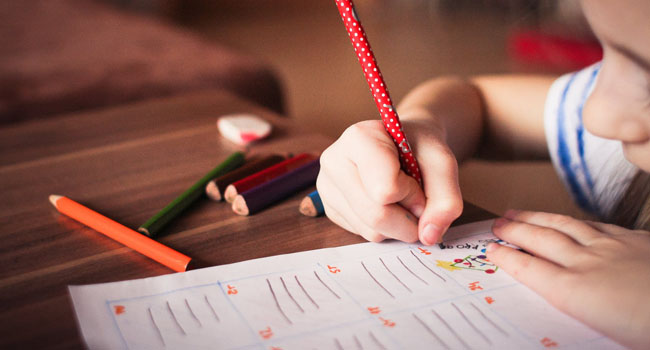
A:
(127, 163)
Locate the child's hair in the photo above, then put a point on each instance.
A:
(633, 209)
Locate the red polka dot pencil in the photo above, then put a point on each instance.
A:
(378, 86)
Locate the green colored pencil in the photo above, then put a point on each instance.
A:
(153, 226)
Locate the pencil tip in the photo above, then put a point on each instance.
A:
(145, 231)
(212, 191)
(54, 198)
(230, 193)
(307, 207)
(239, 206)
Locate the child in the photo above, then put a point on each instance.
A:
(596, 126)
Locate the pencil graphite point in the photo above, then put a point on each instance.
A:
(212, 191)
(312, 205)
(239, 206)
(307, 207)
(230, 193)
(54, 198)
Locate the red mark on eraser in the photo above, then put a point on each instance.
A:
(249, 136)
(243, 128)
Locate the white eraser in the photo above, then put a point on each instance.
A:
(243, 128)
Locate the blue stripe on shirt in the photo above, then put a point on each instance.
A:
(580, 130)
(564, 153)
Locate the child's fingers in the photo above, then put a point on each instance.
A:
(541, 241)
(444, 202)
(332, 200)
(390, 220)
(377, 162)
(367, 149)
(373, 222)
(576, 229)
(337, 218)
(538, 274)
(347, 222)
(392, 186)
(357, 228)
(370, 197)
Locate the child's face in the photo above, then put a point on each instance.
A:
(619, 107)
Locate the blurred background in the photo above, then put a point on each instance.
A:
(305, 46)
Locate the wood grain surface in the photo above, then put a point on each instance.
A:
(127, 163)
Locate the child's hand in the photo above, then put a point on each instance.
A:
(365, 192)
(595, 272)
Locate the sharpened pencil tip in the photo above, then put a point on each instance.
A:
(212, 191)
(230, 193)
(307, 207)
(54, 198)
(239, 206)
(144, 231)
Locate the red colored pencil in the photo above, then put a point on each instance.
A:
(265, 175)
(378, 87)
(264, 195)
(215, 188)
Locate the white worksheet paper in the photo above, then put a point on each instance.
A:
(390, 295)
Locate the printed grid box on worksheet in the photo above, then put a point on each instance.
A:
(369, 296)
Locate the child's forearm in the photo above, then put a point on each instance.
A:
(498, 116)
(450, 107)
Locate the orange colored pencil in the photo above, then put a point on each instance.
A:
(113, 229)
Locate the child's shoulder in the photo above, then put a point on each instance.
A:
(571, 90)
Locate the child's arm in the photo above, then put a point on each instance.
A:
(597, 273)
(360, 182)
(498, 116)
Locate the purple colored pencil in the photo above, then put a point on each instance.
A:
(262, 196)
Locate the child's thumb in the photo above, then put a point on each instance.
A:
(444, 202)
